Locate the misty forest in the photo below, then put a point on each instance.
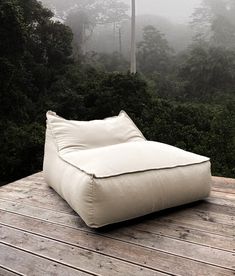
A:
(73, 57)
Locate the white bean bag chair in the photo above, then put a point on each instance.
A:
(108, 172)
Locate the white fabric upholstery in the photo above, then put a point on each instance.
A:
(130, 157)
(116, 182)
(93, 134)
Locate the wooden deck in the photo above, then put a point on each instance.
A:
(41, 235)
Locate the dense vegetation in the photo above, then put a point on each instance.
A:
(185, 99)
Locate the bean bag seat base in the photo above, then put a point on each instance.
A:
(121, 176)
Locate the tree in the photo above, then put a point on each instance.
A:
(82, 28)
(113, 62)
(83, 16)
(153, 52)
(89, 93)
(103, 11)
(208, 71)
(11, 22)
(214, 22)
(86, 15)
(34, 52)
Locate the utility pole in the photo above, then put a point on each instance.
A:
(133, 42)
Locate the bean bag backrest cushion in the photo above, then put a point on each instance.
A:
(93, 134)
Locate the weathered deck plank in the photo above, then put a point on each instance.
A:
(122, 248)
(38, 226)
(72, 256)
(30, 264)
(169, 229)
(227, 184)
(5, 272)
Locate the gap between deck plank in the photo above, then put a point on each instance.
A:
(58, 201)
(229, 196)
(70, 255)
(223, 190)
(217, 182)
(212, 207)
(177, 266)
(52, 197)
(7, 272)
(166, 217)
(167, 229)
(37, 200)
(212, 257)
(30, 180)
(39, 184)
(173, 221)
(221, 201)
(30, 264)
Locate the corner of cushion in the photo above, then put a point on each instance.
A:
(122, 112)
(50, 113)
(49, 117)
(50, 129)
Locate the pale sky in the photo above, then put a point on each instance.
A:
(174, 10)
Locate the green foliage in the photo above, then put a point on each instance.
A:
(185, 100)
(11, 22)
(107, 62)
(200, 128)
(203, 129)
(214, 23)
(21, 149)
(36, 48)
(153, 52)
(34, 52)
(207, 71)
(87, 94)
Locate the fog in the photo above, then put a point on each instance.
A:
(104, 25)
(175, 10)
(171, 17)
(178, 11)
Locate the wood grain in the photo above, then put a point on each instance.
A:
(5, 272)
(72, 256)
(30, 264)
(169, 229)
(116, 248)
